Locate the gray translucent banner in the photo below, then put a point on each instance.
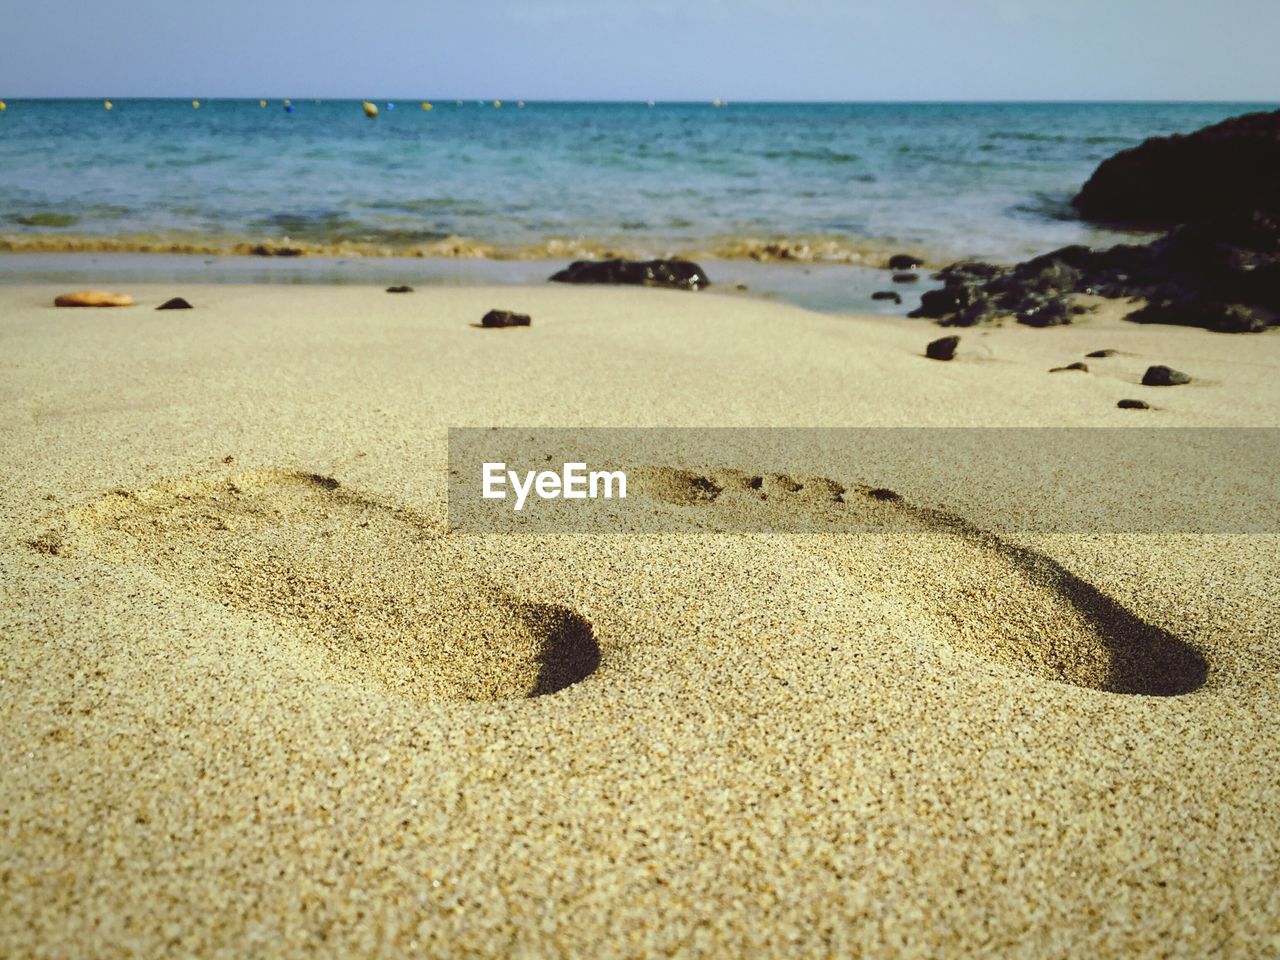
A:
(825, 480)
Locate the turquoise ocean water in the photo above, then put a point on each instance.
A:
(952, 178)
(813, 181)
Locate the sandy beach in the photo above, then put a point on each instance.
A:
(257, 702)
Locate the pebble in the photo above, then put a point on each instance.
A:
(1162, 376)
(904, 261)
(1133, 405)
(505, 318)
(177, 303)
(943, 348)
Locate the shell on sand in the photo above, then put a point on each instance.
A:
(93, 298)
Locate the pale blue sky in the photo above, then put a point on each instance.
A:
(596, 49)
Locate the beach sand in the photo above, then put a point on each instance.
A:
(256, 702)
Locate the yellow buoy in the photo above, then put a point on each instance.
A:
(107, 104)
(497, 104)
(3, 106)
(262, 103)
(288, 102)
(195, 104)
(370, 109)
(425, 105)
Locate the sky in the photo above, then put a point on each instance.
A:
(605, 50)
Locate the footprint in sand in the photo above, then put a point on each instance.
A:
(997, 600)
(399, 609)
(384, 598)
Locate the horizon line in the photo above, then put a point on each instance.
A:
(639, 100)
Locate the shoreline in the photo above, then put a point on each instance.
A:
(762, 249)
(825, 287)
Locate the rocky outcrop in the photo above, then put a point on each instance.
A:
(1222, 274)
(1218, 268)
(1226, 168)
(679, 274)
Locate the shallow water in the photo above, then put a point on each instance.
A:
(828, 287)
(817, 181)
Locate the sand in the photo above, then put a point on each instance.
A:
(256, 702)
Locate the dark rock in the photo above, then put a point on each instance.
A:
(1133, 405)
(969, 270)
(1044, 312)
(505, 318)
(401, 288)
(1170, 180)
(904, 261)
(1162, 376)
(177, 303)
(906, 277)
(680, 274)
(1102, 353)
(944, 348)
(956, 296)
(1082, 367)
(1218, 267)
(1221, 274)
(1223, 317)
(887, 295)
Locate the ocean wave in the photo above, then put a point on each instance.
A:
(825, 156)
(814, 249)
(1030, 137)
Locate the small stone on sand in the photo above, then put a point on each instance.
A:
(505, 318)
(1162, 376)
(1133, 405)
(177, 303)
(943, 348)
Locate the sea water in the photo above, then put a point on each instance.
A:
(845, 182)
